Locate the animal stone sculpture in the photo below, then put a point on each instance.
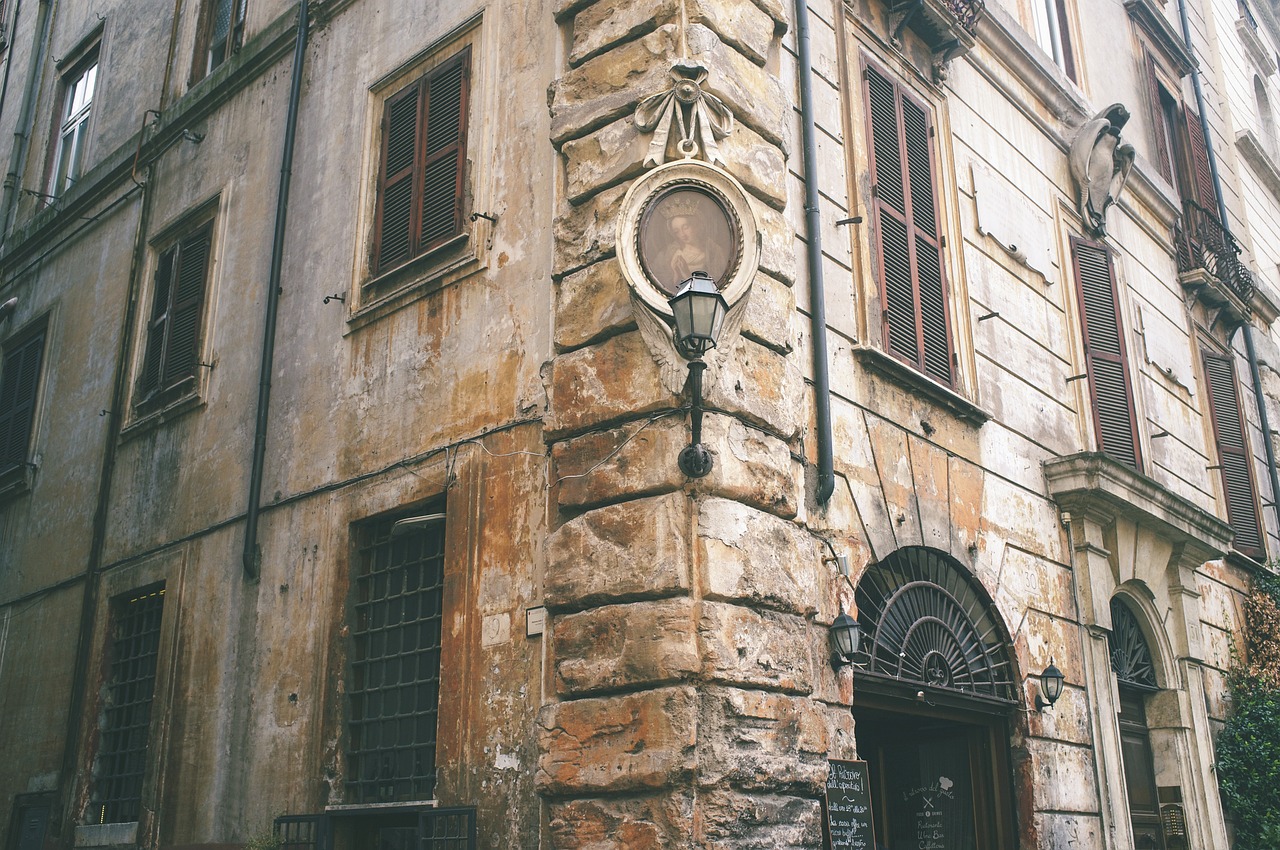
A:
(1100, 164)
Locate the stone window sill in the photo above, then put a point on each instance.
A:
(151, 419)
(106, 834)
(392, 290)
(894, 369)
(16, 481)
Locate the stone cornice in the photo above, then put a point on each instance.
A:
(1091, 483)
(1260, 161)
(1162, 35)
(1005, 40)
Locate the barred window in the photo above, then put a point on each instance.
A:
(395, 664)
(121, 764)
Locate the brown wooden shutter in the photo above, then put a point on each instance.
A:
(1162, 140)
(424, 154)
(19, 383)
(158, 326)
(1199, 152)
(393, 226)
(909, 248)
(446, 150)
(1233, 454)
(1110, 386)
(182, 350)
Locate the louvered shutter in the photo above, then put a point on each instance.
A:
(446, 151)
(19, 383)
(1233, 454)
(1110, 389)
(158, 326)
(1162, 157)
(1205, 195)
(182, 349)
(909, 248)
(424, 135)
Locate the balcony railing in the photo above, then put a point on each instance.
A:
(1204, 244)
(943, 24)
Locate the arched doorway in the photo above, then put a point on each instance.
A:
(933, 688)
(1132, 662)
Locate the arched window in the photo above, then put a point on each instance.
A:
(1134, 666)
(934, 690)
(1266, 120)
(926, 620)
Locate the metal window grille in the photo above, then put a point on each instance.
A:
(447, 829)
(395, 666)
(126, 719)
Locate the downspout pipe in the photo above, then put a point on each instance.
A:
(1247, 328)
(250, 556)
(813, 240)
(26, 115)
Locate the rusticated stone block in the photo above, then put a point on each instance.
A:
(747, 555)
(613, 380)
(616, 151)
(608, 22)
(592, 304)
(755, 96)
(732, 820)
(760, 385)
(769, 312)
(763, 742)
(652, 822)
(759, 164)
(628, 551)
(762, 648)
(624, 743)
(598, 160)
(777, 243)
(609, 86)
(636, 459)
(750, 466)
(625, 645)
(586, 234)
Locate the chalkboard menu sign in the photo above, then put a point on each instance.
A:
(848, 807)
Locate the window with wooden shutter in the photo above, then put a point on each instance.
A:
(423, 163)
(1107, 363)
(1198, 164)
(1234, 457)
(908, 245)
(19, 386)
(177, 307)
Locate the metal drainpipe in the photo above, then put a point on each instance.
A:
(250, 556)
(26, 116)
(813, 238)
(1250, 350)
(80, 678)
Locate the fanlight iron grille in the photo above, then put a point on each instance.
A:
(1130, 655)
(926, 620)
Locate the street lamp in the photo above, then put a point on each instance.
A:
(844, 636)
(699, 311)
(1050, 685)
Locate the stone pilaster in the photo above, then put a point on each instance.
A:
(692, 703)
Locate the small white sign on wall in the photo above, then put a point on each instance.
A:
(1013, 221)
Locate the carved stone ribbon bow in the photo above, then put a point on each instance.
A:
(700, 118)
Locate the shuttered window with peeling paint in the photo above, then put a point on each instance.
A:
(177, 308)
(908, 244)
(19, 387)
(1235, 460)
(423, 164)
(1110, 383)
